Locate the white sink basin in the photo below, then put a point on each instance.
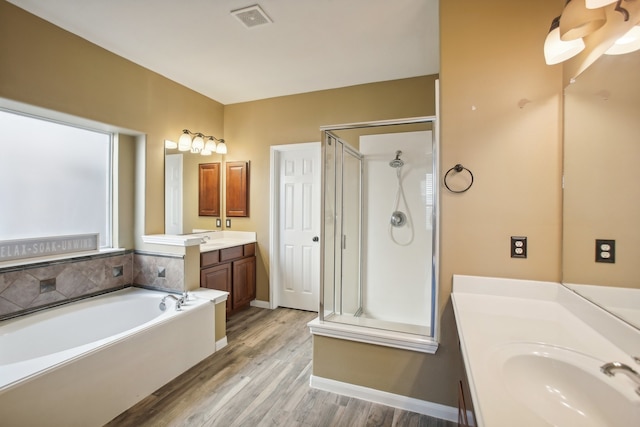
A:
(562, 387)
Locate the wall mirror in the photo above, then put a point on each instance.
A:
(601, 193)
(190, 202)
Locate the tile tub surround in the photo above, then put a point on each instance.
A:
(161, 272)
(24, 289)
(494, 313)
(34, 286)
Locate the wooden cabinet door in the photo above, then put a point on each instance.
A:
(237, 189)
(217, 277)
(209, 189)
(244, 281)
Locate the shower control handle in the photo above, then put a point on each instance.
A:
(315, 238)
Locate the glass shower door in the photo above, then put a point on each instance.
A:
(341, 229)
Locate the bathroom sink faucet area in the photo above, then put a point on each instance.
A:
(612, 368)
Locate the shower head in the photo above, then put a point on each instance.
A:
(397, 163)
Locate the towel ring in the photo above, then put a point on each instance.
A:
(458, 168)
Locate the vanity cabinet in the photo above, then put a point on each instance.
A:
(237, 189)
(209, 189)
(244, 281)
(232, 270)
(465, 405)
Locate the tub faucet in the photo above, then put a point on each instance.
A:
(612, 368)
(179, 302)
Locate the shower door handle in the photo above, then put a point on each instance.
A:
(315, 238)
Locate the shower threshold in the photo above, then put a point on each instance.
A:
(363, 320)
(375, 331)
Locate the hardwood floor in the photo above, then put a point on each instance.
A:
(261, 378)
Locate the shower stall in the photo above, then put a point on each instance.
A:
(379, 245)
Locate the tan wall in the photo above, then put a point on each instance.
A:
(124, 223)
(221, 320)
(501, 116)
(45, 66)
(252, 127)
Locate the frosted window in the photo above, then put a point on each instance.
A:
(54, 179)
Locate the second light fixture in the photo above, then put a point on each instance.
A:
(202, 144)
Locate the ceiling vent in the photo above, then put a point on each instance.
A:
(252, 16)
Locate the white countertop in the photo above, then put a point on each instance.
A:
(226, 239)
(213, 295)
(495, 315)
(213, 240)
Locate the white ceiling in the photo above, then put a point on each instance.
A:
(311, 44)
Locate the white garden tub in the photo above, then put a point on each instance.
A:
(84, 363)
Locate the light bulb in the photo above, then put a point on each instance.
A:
(594, 4)
(556, 50)
(222, 147)
(210, 145)
(628, 43)
(198, 142)
(184, 143)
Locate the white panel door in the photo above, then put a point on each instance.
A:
(299, 228)
(173, 194)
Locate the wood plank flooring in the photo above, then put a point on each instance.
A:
(261, 378)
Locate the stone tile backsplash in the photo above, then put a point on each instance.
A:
(159, 272)
(36, 286)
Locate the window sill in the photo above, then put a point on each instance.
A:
(21, 264)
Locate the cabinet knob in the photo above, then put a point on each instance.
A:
(315, 238)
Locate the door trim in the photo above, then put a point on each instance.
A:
(274, 217)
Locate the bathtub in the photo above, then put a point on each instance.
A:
(84, 363)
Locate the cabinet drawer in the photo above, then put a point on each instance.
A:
(209, 258)
(250, 249)
(231, 253)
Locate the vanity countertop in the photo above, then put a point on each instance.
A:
(509, 331)
(226, 239)
(213, 240)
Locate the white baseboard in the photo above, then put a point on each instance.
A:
(431, 409)
(260, 304)
(221, 343)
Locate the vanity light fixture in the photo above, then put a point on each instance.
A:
(202, 144)
(557, 50)
(581, 18)
(577, 21)
(628, 43)
(594, 4)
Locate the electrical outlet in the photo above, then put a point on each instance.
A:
(218, 222)
(518, 247)
(606, 251)
(228, 223)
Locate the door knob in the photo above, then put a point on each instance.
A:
(315, 238)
